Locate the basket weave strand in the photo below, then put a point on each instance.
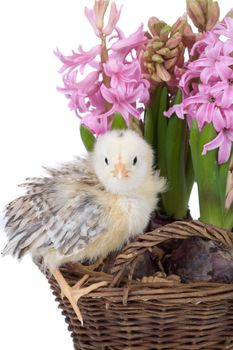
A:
(131, 315)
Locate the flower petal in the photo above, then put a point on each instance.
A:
(113, 19)
(223, 70)
(227, 96)
(218, 120)
(208, 73)
(177, 109)
(198, 98)
(90, 14)
(229, 134)
(224, 150)
(218, 87)
(228, 116)
(125, 45)
(215, 143)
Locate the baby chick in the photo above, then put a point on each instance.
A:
(86, 208)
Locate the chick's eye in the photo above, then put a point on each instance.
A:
(106, 160)
(135, 160)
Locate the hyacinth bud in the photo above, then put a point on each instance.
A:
(179, 25)
(203, 13)
(100, 8)
(155, 26)
(204, 5)
(230, 13)
(189, 38)
(213, 15)
(196, 14)
(157, 58)
(174, 41)
(164, 33)
(164, 50)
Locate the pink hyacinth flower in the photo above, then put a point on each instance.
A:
(225, 86)
(223, 141)
(123, 99)
(177, 109)
(207, 63)
(114, 81)
(80, 59)
(97, 125)
(209, 39)
(135, 41)
(224, 28)
(207, 109)
(185, 80)
(96, 17)
(207, 86)
(120, 72)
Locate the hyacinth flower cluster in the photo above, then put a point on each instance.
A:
(107, 79)
(187, 105)
(207, 87)
(164, 51)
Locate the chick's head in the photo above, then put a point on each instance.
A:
(122, 161)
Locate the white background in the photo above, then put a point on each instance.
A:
(38, 129)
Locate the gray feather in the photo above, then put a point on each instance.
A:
(55, 212)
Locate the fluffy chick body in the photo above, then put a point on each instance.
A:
(123, 217)
(89, 207)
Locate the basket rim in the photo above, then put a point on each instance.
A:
(175, 230)
(162, 292)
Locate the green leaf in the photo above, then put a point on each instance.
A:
(228, 219)
(223, 174)
(207, 175)
(194, 147)
(162, 131)
(175, 200)
(190, 177)
(149, 126)
(87, 137)
(175, 157)
(118, 122)
(209, 179)
(151, 119)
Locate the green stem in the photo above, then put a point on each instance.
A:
(162, 132)
(207, 175)
(228, 222)
(150, 120)
(175, 199)
(190, 177)
(169, 138)
(223, 174)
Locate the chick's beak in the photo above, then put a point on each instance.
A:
(120, 170)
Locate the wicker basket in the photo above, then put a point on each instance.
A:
(129, 314)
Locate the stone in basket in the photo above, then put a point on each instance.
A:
(152, 312)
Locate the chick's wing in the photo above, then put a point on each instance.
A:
(77, 223)
(61, 211)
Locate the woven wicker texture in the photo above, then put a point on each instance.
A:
(129, 314)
